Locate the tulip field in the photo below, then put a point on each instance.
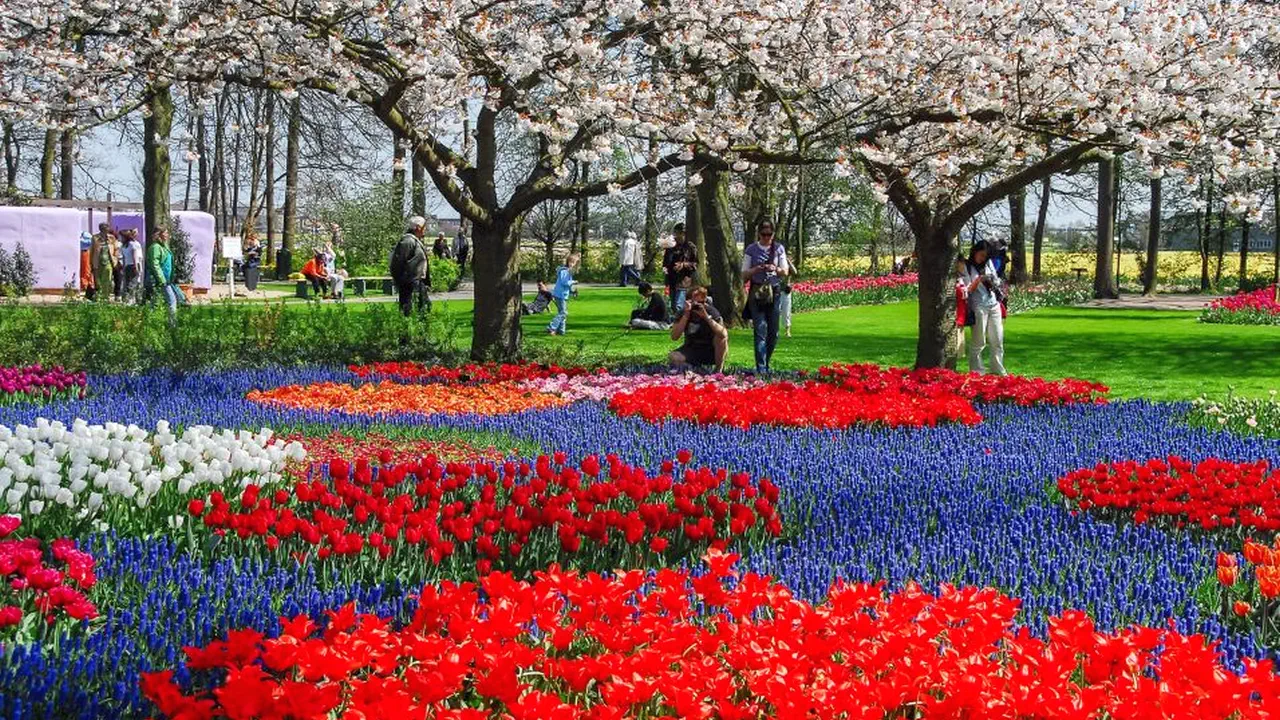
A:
(523, 541)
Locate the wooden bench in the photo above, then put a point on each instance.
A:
(359, 286)
(1080, 272)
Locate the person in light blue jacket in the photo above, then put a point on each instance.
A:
(560, 294)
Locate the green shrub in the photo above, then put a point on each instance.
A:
(184, 259)
(107, 338)
(22, 275)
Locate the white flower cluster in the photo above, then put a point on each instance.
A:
(83, 471)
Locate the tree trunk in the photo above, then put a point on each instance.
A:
(1205, 231)
(651, 208)
(47, 159)
(290, 233)
(419, 199)
(235, 172)
(1275, 233)
(463, 223)
(580, 212)
(802, 209)
(1153, 241)
(202, 147)
(693, 228)
(255, 165)
(1222, 244)
(1244, 249)
(269, 173)
(155, 164)
(496, 266)
(12, 157)
(1104, 283)
(1018, 236)
(397, 176)
(1042, 215)
(935, 344)
(68, 172)
(722, 260)
(220, 158)
(758, 206)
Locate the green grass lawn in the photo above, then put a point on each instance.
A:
(1162, 355)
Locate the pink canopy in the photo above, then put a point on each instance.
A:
(52, 238)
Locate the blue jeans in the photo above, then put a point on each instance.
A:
(562, 312)
(678, 296)
(764, 321)
(628, 274)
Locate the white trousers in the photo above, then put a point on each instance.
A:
(987, 330)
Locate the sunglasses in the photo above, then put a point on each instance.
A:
(766, 233)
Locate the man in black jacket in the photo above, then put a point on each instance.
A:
(410, 269)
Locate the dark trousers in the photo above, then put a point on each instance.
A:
(462, 260)
(764, 321)
(319, 284)
(407, 291)
(130, 279)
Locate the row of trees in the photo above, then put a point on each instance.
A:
(943, 107)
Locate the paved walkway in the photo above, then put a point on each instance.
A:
(1159, 302)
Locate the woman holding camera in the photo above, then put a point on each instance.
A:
(981, 290)
(764, 265)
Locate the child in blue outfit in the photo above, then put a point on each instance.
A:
(560, 294)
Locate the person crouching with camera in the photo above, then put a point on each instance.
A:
(706, 339)
(982, 291)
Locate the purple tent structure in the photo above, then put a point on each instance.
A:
(51, 236)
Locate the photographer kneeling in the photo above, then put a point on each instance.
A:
(982, 291)
(706, 340)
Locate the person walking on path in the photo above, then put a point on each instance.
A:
(131, 259)
(160, 271)
(980, 296)
(764, 265)
(560, 294)
(630, 260)
(461, 249)
(680, 262)
(409, 267)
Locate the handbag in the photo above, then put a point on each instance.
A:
(762, 294)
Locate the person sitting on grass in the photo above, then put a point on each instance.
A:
(314, 271)
(652, 313)
(706, 339)
(540, 303)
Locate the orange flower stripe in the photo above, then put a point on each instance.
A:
(391, 398)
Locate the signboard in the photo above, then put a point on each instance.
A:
(231, 247)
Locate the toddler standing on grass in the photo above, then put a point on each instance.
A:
(560, 294)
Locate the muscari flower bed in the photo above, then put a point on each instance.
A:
(962, 504)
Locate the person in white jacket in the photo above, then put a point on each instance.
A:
(983, 292)
(630, 260)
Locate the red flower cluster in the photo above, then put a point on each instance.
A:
(513, 516)
(386, 451)
(854, 284)
(471, 373)
(585, 647)
(1262, 300)
(1211, 495)
(1013, 389)
(33, 584)
(806, 404)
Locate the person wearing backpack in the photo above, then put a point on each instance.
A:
(764, 265)
(980, 296)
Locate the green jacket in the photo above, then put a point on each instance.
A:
(159, 264)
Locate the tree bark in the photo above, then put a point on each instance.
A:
(1104, 284)
(48, 158)
(1244, 249)
(235, 171)
(693, 229)
(937, 317)
(1275, 235)
(290, 232)
(397, 175)
(67, 174)
(1153, 241)
(419, 188)
(464, 224)
(12, 157)
(1018, 235)
(495, 267)
(651, 208)
(255, 166)
(802, 210)
(581, 210)
(220, 158)
(722, 261)
(1042, 215)
(269, 173)
(202, 147)
(157, 127)
(1222, 243)
(1205, 231)
(758, 206)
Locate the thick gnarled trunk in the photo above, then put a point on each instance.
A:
(1104, 279)
(157, 126)
(496, 269)
(936, 345)
(722, 260)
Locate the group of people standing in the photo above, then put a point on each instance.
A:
(110, 264)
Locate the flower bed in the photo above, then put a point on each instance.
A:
(807, 404)
(38, 384)
(602, 387)
(1258, 307)
(859, 290)
(375, 447)
(43, 586)
(584, 646)
(431, 520)
(1015, 389)
(1050, 293)
(62, 479)
(1212, 494)
(464, 374)
(391, 398)
(1246, 416)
